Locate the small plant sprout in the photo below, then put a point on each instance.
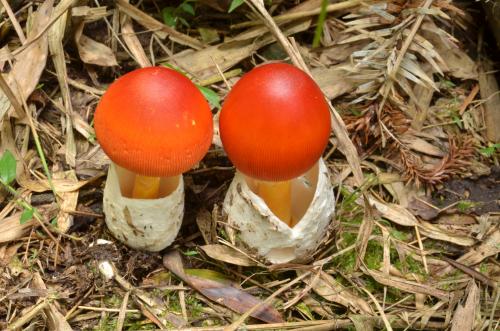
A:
(274, 126)
(154, 124)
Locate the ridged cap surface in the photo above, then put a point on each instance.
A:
(154, 121)
(275, 123)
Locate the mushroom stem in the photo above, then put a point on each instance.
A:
(146, 187)
(278, 197)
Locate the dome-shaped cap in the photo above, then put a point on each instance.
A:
(275, 123)
(154, 121)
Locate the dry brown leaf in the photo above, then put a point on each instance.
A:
(466, 316)
(11, 228)
(132, 42)
(221, 291)
(331, 290)
(420, 145)
(29, 64)
(229, 255)
(93, 52)
(61, 185)
(490, 246)
(332, 80)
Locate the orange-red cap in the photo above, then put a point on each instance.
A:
(275, 123)
(154, 121)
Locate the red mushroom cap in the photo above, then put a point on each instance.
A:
(155, 122)
(275, 123)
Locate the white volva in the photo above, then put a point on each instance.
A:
(274, 240)
(145, 224)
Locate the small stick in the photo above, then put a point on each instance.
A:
(421, 246)
(123, 311)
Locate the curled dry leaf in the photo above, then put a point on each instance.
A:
(91, 51)
(222, 292)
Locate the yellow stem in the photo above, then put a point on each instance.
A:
(278, 197)
(146, 187)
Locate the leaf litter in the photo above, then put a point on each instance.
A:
(413, 155)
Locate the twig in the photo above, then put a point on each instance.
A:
(109, 310)
(421, 246)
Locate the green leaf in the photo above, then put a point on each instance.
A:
(187, 8)
(169, 17)
(489, 151)
(235, 4)
(7, 167)
(212, 96)
(26, 216)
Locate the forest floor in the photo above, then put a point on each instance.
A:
(413, 156)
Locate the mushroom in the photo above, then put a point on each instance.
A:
(154, 124)
(274, 127)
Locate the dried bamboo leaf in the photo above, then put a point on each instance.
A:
(11, 229)
(92, 51)
(331, 290)
(489, 92)
(29, 64)
(222, 292)
(229, 255)
(458, 63)
(332, 81)
(466, 316)
(406, 285)
(69, 201)
(420, 145)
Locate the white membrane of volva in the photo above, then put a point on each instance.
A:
(274, 240)
(144, 224)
